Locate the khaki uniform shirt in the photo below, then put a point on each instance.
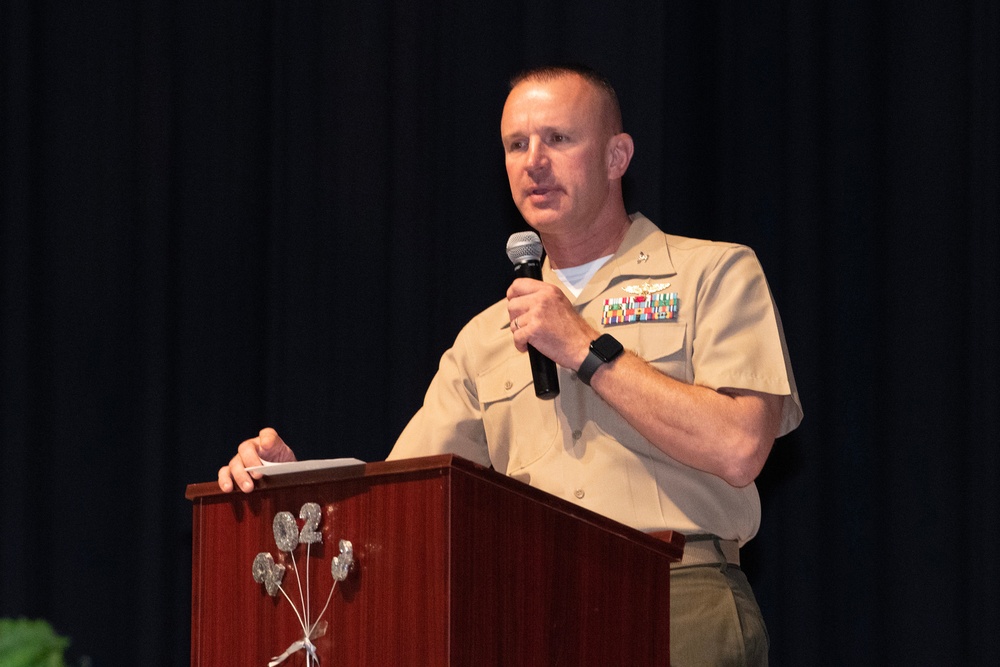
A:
(481, 403)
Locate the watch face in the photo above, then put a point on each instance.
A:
(607, 347)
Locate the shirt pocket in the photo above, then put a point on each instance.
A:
(520, 427)
(662, 344)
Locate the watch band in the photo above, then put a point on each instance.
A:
(589, 367)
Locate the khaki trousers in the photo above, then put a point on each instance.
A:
(714, 618)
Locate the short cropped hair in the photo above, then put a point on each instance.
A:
(592, 76)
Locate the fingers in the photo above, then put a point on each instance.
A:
(236, 473)
(225, 479)
(528, 296)
(541, 315)
(268, 445)
(526, 286)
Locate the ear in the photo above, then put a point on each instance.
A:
(620, 149)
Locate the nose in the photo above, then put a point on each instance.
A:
(537, 158)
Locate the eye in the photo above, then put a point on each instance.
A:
(516, 145)
(559, 138)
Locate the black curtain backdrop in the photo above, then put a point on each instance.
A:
(223, 215)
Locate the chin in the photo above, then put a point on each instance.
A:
(542, 220)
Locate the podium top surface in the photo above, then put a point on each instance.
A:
(668, 543)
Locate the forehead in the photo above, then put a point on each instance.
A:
(565, 101)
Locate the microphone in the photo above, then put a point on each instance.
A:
(525, 251)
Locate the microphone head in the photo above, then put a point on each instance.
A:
(524, 247)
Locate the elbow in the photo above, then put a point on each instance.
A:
(740, 478)
(746, 460)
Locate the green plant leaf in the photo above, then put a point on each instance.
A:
(27, 643)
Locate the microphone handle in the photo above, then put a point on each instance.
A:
(543, 369)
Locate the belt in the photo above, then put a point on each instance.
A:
(708, 549)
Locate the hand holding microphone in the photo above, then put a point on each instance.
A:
(525, 251)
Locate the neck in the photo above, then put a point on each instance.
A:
(579, 246)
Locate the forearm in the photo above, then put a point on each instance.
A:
(726, 433)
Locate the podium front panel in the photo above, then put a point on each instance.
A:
(455, 565)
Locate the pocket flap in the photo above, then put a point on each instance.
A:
(505, 380)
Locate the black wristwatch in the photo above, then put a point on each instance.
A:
(602, 351)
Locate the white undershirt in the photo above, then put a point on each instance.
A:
(575, 278)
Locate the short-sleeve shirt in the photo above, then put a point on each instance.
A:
(715, 325)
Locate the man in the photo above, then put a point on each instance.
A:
(674, 373)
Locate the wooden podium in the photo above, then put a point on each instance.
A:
(455, 564)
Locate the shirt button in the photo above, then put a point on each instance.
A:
(577, 435)
(579, 493)
(508, 384)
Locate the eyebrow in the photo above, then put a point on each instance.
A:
(547, 129)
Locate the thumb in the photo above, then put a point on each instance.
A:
(273, 448)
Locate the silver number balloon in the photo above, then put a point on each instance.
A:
(311, 513)
(267, 572)
(286, 531)
(340, 566)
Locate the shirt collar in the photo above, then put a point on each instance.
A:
(642, 254)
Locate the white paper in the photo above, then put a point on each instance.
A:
(269, 469)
